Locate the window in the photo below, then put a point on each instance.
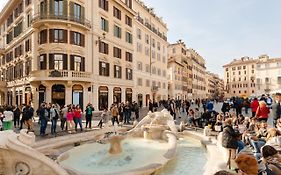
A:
(10, 20)
(18, 29)
(117, 31)
(139, 47)
(77, 63)
(43, 62)
(117, 72)
(77, 38)
(139, 33)
(164, 59)
(103, 47)
(140, 66)
(129, 37)
(77, 11)
(117, 13)
(128, 3)
(164, 86)
(18, 51)
(128, 21)
(164, 73)
(129, 57)
(139, 82)
(27, 2)
(104, 69)
(158, 46)
(117, 53)
(147, 68)
(104, 24)
(147, 83)
(103, 4)
(153, 42)
(244, 67)
(129, 74)
(27, 45)
(28, 67)
(58, 36)
(146, 39)
(58, 62)
(159, 72)
(28, 20)
(158, 57)
(58, 8)
(146, 51)
(43, 37)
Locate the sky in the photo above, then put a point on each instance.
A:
(222, 30)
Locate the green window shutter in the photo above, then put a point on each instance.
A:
(51, 7)
(65, 62)
(51, 61)
(71, 62)
(65, 9)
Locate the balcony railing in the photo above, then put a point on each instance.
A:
(60, 74)
(71, 18)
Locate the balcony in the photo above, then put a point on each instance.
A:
(61, 75)
(42, 18)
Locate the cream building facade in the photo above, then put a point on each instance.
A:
(150, 48)
(199, 72)
(180, 71)
(268, 75)
(240, 77)
(214, 86)
(59, 51)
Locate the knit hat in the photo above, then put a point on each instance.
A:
(247, 163)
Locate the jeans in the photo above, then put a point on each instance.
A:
(127, 117)
(54, 126)
(115, 118)
(257, 145)
(63, 123)
(241, 145)
(89, 121)
(16, 121)
(43, 126)
(78, 121)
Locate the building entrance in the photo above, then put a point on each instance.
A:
(58, 94)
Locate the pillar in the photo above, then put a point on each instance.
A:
(68, 94)
(110, 95)
(14, 96)
(48, 94)
(123, 95)
(95, 97)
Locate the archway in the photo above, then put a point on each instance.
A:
(140, 100)
(129, 95)
(103, 97)
(117, 95)
(147, 98)
(58, 94)
(77, 95)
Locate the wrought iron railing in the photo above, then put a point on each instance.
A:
(71, 18)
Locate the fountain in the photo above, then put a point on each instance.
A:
(115, 145)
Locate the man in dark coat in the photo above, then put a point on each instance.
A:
(276, 109)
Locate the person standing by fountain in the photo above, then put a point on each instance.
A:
(89, 114)
(127, 112)
(78, 117)
(43, 117)
(8, 118)
(54, 115)
(114, 114)
(104, 115)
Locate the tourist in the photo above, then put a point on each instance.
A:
(262, 112)
(63, 117)
(271, 159)
(190, 117)
(27, 115)
(225, 107)
(150, 106)
(103, 119)
(17, 113)
(43, 114)
(54, 116)
(8, 118)
(172, 109)
(276, 109)
(136, 110)
(259, 139)
(127, 113)
(114, 114)
(247, 164)
(78, 117)
(89, 114)
(210, 106)
(69, 118)
(254, 106)
(120, 112)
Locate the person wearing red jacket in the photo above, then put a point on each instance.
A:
(262, 112)
(254, 106)
(78, 117)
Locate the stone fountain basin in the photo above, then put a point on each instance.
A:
(140, 156)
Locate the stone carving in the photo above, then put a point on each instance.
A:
(115, 144)
(22, 168)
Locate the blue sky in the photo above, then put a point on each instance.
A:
(221, 30)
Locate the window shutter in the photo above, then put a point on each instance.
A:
(52, 5)
(120, 72)
(65, 62)
(107, 69)
(82, 40)
(51, 35)
(82, 64)
(44, 65)
(51, 61)
(82, 17)
(106, 25)
(100, 3)
(100, 68)
(65, 36)
(106, 48)
(71, 37)
(71, 62)
(65, 9)
(106, 5)
(115, 71)
(71, 10)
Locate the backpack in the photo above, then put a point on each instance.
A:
(57, 115)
